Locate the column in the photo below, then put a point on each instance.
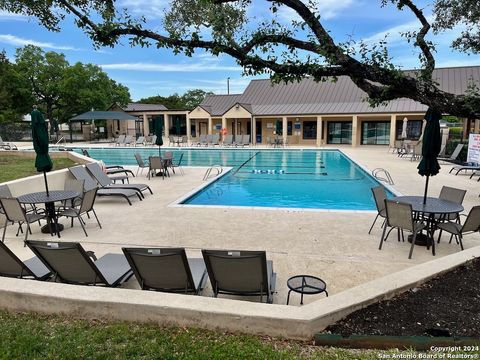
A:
(319, 130)
(355, 131)
(284, 129)
(253, 123)
(393, 129)
(146, 128)
(210, 126)
(166, 123)
(189, 128)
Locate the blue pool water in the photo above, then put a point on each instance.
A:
(322, 179)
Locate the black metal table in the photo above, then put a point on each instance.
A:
(432, 207)
(306, 285)
(52, 227)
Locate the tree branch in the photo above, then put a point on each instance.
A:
(420, 39)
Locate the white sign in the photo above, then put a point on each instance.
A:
(474, 148)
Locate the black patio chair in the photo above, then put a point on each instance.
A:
(70, 263)
(167, 269)
(245, 273)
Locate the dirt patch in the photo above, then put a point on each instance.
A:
(447, 304)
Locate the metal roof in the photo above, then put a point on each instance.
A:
(144, 107)
(217, 105)
(103, 115)
(340, 97)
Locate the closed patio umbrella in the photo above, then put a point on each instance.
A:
(404, 128)
(431, 147)
(177, 125)
(43, 163)
(158, 129)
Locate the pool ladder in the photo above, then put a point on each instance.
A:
(218, 168)
(383, 175)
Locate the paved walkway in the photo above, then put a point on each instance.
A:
(332, 245)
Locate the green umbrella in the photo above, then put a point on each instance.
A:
(177, 125)
(278, 127)
(40, 144)
(158, 129)
(431, 147)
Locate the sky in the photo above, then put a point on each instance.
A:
(149, 71)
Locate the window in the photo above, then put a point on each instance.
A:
(289, 127)
(375, 133)
(339, 132)
(414, 129)
(309, 130)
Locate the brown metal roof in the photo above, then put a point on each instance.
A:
(341, 97)
(217, 105)
(144, 107)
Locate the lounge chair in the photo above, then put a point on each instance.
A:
(215, 140)
(128, 140)
(6, 145)
(111, 169)
(454, 156)
(85, 207)
(12, 266)
(81, 173)
(106, 182)
(154, 140)
(167, 269)
(208, 140)
(70, 263)
(228, 140)
(202, 140)
(246, 273)
(120, 140)
(466, 167)
(140, 141)
(15, 213)
(245, 140)
(141, 164)
(171, 140)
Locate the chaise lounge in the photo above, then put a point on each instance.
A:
(167, 269)
(71, 264)
(245, 273)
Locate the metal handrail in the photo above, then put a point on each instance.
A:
(60, 140)
(218, 168)
(387, 177)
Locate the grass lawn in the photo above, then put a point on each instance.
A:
(33, 336)
(15, 167)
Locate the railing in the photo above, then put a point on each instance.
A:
(60, 140)
(218, 168)
(382, 175)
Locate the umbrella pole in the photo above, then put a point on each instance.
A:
(46, 183)
(426, 189)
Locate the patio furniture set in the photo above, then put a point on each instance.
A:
(423, 218)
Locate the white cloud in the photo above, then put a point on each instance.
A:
(151, 9)
(18, 41)
(327, 9)
(7, 16)
(197, 67)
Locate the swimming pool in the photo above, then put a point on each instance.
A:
(309, 179)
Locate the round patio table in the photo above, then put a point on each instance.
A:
(49, 201)
(306, 285)
(433, 206)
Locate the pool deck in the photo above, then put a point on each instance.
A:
(333, 245)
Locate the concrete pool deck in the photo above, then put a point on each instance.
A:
(333, 245)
